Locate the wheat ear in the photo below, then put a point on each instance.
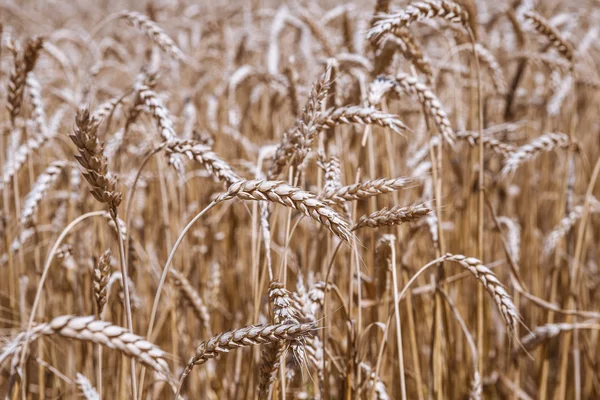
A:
(290, 196)
(542, 144)
(89, 329)
(393, 216)
(366, 189)
(154, 33)
(86, 388)
(543, 27)
(44, 182)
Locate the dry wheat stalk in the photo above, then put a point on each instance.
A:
(491, 283)
(393, 216)
(91, 157)
(154, 33)
(366, 189)
(543, 27)
(290, 196)
(216, 166)
(542, 144)
(24, 63)
(87, 390)
(192, 296)
(244, 337)
(89, 329)
(418, 11)
(101, 276)
(44, 182)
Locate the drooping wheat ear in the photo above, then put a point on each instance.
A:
(192, 296)
(544, 333)
(159, 112)
(87, 390)
(296, 140)
(145, 81)
(366, 189)
(542, 144)
(44, 182)
(91, 157)
(89, 329)
(565, 226)
(204, 155)
(543, 27)
(290, 196)
(101, 276)
(490, 282)
(35, 98)
(433, 107)
(446, 9)
(284, 311)
(394, 216)
(488, 59)
(497, 146)
(359, 115)
(23, 65)
(414, 52)
(154, 32)
(248, 336)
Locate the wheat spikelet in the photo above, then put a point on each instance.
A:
(393, 216)
(543, 27)
(192, 297)
(290, 196)
(44, 182)
(89, 329)
(86, 388)
(154, 33)
(542, 144)
(491, 283)
(101, 277)
(366, 189)
(418, 11)
(91, 157)
(216, 166)
(248, 336)
(433, 107)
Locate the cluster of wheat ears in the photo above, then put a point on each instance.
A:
(361, 200)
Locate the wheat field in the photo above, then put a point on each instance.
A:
(300, 200)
